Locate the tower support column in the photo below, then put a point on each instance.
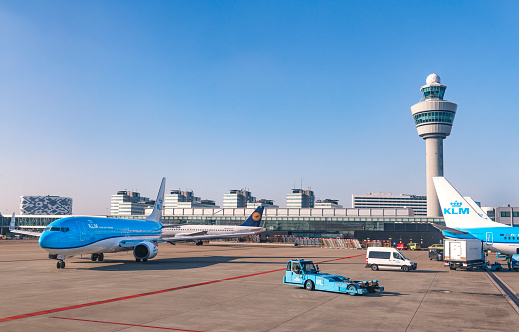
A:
(434, 167)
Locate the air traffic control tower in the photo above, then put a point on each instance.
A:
(433, 117)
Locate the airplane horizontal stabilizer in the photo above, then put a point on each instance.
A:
(448, 229)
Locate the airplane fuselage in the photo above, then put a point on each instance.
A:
(210, 231)
(86, 235)
(498, 239)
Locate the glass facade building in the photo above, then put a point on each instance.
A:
(42, 205)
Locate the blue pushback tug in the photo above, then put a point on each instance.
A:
(304, 273)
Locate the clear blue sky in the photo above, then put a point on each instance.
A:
(100, 96)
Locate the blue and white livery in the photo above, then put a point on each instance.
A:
(466, 220)
(71, 236)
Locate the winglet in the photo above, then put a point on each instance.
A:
(11, 225)
(254, 219)
(159, 204)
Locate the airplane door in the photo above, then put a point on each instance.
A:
(82, 231)
(490, 238)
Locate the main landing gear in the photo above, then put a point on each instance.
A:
(199, 243)
(97, 257)
(60, 264)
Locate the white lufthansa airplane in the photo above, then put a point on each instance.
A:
(464, 219)
(72, 236)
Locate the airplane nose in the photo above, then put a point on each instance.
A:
(47, 239)
(43, 239)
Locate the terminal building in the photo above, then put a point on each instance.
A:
(302, 222)
(45, 205)
(388, 200)
(505, 214)
(266, 203)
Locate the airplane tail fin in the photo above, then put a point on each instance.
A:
(457, 212)
(11, 225)
(156, 214)
(254, 219)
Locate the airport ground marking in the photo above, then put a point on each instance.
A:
(77, 306)
(127, 324)
(507, 291)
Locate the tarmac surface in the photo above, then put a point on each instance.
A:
(238, 287)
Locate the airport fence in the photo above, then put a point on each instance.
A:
(321, 242)
(376, 243)
(303, 241)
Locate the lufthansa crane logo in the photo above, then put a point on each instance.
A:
(256, 216)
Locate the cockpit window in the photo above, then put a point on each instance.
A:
(57, 229)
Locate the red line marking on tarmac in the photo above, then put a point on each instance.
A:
(77, 306)
(134, 325)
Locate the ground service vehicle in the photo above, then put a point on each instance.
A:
(401, 246)
(413, 246)
(382, 257)
(304, 273)
(436, 246)
(464, 254)
(436, 254)
(515, 262)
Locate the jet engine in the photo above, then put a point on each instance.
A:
(145, 251)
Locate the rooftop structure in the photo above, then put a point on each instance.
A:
(328, 204)
(129, 203)
(300, 198)
(388, 200)
(266, 203)
(237, 198)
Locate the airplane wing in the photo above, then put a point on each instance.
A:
(448, 229)
(12, 229)
(189, 234)
(174, 238)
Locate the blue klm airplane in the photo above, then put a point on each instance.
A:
(71, 236)
(464, 219)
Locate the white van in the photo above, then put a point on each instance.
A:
(382, 257)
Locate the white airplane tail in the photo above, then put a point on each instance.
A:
(12, 225)
(159, 204)
(457, 212)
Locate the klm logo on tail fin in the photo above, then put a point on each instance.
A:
(456, 209)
